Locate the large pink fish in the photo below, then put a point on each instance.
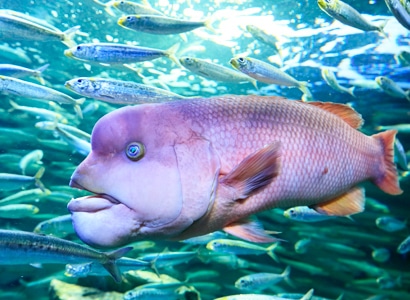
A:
(187, 168)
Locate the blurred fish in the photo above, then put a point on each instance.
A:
(39, 112)
(60, 226)
(18, 28)
(129, 8)
(80, 145)
(391, 88)
(403, 58)
(160, 24)
(380, 254)
(346, 14)
(19, 247)
(302, 245)
(25, 196)
(18, 71)
(261, 281)
(388, 282)
(214, 71)
(151, 293)
(205, 239)
(398, 9)
(14, 54)
(10, 182)
(404, 246)
(31, 90)
(390, 224)
(48, 125)
(165, 259)
(305, 214)
(331, 80)
(400, 155)
(264, 37)
(240, 247)
(112, 53)
(267, 73)
(18, 211)
(119, 92)
(403, 128)
(307, 296)
(32, 157)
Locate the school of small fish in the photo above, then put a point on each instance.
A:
(66, 64)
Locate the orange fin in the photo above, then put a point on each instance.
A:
(256, 171)
(389, 180)
(347, 204)
(250, 230)
(345, 112)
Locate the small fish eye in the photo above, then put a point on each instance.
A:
(135, 151)
(79, 80)
(242, 60)
(129, 18)
(78, 47)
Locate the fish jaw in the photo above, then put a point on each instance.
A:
(90, 215)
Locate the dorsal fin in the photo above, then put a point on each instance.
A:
(345, 112)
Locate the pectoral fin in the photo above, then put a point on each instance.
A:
(250, 230)
(256, 171)
(347, 204)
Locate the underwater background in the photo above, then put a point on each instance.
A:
(338, 258)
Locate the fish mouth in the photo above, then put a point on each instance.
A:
(68, 53)
(94, 203)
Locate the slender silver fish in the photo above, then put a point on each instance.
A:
(18, 71)
(18, 28)
(119, 92)
(214, 71)
(160, 24)
(20, 247)
(35, 91)
(10, 182)
(398, 9)
(112, 53)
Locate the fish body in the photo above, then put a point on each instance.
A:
(35, 91)
(261, 281)
(112, 53)
(263, 37)
(10, 182)
(307, 296)
(240, 247)
(391, 88)
(214, 71)
(404, 246)
(331, 80)
(390, 224)
(18, 211)
(221, 160)
(398, 9)
(60, 226)
(381, 254)
(33, 157)
(19, 247)
(39, 112)
(267, 73)
(155, 24)
(19, 28)
(80, 145)
(18, 71)
(305, 214)
(347, 15)
(119, 91)
(132, 8)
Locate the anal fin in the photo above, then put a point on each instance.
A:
(349, 203)
(251, 230)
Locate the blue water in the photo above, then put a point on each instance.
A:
(309, 39)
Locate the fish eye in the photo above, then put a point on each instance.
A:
(79, 80)
(242, 60)
(135, 151)
(129, 18)
(78, 48)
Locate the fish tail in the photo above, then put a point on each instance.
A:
(39, 71)
(107, 7)
(271, 252)
(78, 110)
(351, 90)
(14, 106)
(388, 181)
(208, 24)
(68, 36)
(171, 54)
(37, 178)
(254, 82)
(111, 266)
(286, 273)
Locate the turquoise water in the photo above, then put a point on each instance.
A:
(308, 40)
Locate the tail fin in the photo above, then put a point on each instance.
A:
(111, 266)
(389, 181)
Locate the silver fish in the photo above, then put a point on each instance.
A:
(19, 247)
(118, 91)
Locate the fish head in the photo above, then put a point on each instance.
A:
(82, 86)
(240, 63)
(130, 20)
(81, 52)
(327, 4)
(147, 179)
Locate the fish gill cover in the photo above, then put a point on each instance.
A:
(61, 70)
